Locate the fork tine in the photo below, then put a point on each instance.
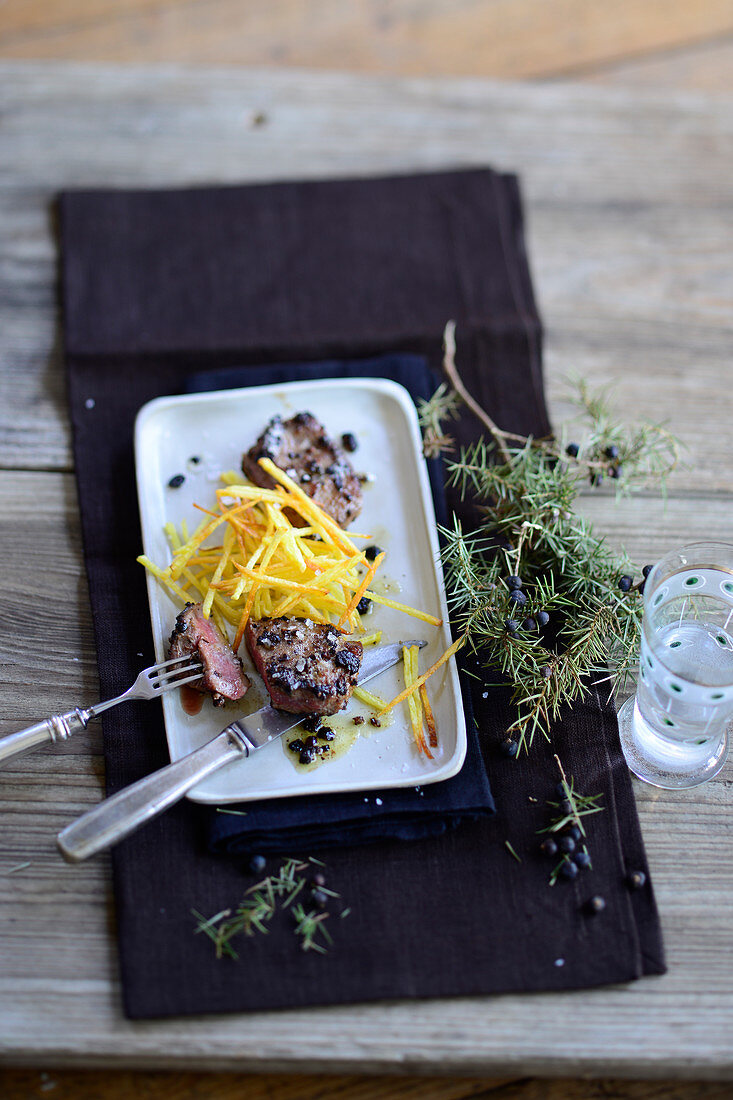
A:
(166, 685)
(173, 676)
(165, 664)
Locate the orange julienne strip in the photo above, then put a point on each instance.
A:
(189, 548)
(429, 718)
(278, 582)
(245, 616)
(310, 511)
(362, 587)
(409, 657)
(302, 498)
(413, 611)
(421, 680)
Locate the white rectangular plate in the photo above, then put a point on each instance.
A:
(397, 515)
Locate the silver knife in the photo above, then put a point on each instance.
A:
(116, 817)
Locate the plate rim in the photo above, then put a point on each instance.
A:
(391, 389)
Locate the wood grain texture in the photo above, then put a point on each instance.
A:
(70, 1085)
(628, 204)
(490, 38)
(596, 171)
(707, 67)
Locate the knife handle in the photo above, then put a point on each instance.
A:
(122, 813)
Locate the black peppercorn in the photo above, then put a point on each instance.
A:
(312, 723)
(371, 552)
(364, 605)
(176, 481)
(349, 441)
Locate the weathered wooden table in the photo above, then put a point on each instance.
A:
(630, 225)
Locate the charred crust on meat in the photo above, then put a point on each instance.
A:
(308, 668)
(348, 660)
(180, 625)
(302, 448)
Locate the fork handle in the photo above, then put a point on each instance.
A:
(56, 728)
(116, 817)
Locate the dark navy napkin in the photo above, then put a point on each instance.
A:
(161, 285)
(407, 813)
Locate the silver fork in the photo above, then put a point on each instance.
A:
(151, 683)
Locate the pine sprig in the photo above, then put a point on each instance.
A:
(525, 491)
(569, 809)
(443, 405)
(308, 925)
(646, 453)
(260, 903)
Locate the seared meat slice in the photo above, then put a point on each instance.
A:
(301, 447)
(307, 668)
(199, 637)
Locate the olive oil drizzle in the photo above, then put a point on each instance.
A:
(346, 733)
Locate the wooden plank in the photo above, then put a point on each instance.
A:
(630, 270)
(91, 1085)
(504, 38)
(627, 199)
(705, 68)
(56, 918)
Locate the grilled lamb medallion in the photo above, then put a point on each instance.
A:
(308, 668)
(193, 635)
(301, 447)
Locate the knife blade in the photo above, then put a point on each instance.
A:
(118, 816)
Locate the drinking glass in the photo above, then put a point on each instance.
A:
(674, 732)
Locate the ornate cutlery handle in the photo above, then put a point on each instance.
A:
(131, 807)
(57, 728)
